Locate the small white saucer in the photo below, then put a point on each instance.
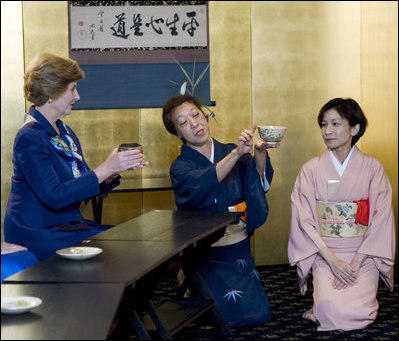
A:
(19, 304)
(79, 252)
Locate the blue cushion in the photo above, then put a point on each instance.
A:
(11, 263)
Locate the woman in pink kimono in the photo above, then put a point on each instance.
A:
(342, 224)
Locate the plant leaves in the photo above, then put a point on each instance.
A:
(185, 73)
(200, 76)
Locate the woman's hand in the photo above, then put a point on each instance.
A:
(343, 272)
(132, 159)
(355, 264)
(245, 141)
(262, 145)
(224, 166)
(118, 162)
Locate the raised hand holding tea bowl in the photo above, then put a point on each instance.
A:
(271, 134)
(135, 149)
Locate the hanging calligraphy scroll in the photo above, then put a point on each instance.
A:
(133, 52)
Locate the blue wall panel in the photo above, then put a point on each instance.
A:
(123, 86)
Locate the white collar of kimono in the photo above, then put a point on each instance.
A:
(212, 151)
(338, 166)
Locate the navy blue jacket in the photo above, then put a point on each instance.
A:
(45, 193)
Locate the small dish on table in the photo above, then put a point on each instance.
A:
(79, 252)
(19, 304)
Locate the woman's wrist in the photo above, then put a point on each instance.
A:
(111, 178)
(358, 259)
(328, 256)
(235, 153)
(261, 155)
(101, 173)
(260, 150)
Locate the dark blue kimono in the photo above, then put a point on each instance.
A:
(51, 179)
(229, 271)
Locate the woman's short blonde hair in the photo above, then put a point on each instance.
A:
(48, 76)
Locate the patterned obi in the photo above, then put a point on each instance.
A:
(342, 219)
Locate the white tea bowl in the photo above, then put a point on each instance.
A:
(271, 133)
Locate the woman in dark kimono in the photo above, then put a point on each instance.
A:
(212, 176)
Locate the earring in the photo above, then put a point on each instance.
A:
(50, 100)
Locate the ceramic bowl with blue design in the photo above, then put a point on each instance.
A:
(271, 133)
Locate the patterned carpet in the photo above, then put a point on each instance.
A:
(287, 306)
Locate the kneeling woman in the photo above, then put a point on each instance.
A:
(342, 224)
(212, 176)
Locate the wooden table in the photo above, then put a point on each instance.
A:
(78, 311)
(132, 253)
(182, 228)
(121, 261)
(189, 232)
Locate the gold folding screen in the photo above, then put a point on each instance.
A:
(272, 62)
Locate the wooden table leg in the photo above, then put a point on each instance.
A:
(134, 319)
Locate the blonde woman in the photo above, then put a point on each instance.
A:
(51, 177)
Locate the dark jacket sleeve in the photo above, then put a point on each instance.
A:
(257, 206)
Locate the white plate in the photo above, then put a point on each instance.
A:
(19, 304)
(79, 252)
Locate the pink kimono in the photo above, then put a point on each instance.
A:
(364, 178)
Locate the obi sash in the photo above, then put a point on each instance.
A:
(342, 219)
(240, 207)
(234, 233)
